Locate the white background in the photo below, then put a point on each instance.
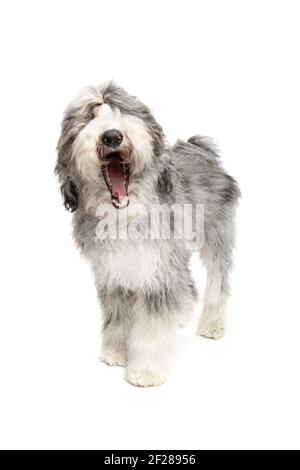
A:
(225, 69)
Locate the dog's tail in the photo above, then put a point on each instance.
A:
(201, 146)
(205, 143)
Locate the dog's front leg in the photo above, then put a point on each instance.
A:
(113, 347)
(150, 344)
(116, 310)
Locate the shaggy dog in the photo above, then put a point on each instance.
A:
(112, 154)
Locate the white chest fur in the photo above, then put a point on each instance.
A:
(131, 264)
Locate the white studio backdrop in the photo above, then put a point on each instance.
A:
(225, 69)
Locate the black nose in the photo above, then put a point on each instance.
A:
(112, 138)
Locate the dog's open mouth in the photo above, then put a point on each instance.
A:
(116, 175)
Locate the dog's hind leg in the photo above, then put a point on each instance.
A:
(213, 318)
(216, 255)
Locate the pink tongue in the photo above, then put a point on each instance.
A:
(118, 191)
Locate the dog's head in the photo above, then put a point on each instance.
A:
(107, 137)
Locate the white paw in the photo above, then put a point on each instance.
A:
(143, 377)
(113, 357)
(214, 328)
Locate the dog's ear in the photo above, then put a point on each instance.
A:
(70, 195)
(164, 182)
(68, 188)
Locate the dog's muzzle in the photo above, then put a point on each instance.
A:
(114, 155)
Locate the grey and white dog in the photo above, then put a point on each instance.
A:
(112, 153)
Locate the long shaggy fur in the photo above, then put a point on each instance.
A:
(145, 287)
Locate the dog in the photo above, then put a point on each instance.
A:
(112, 153)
